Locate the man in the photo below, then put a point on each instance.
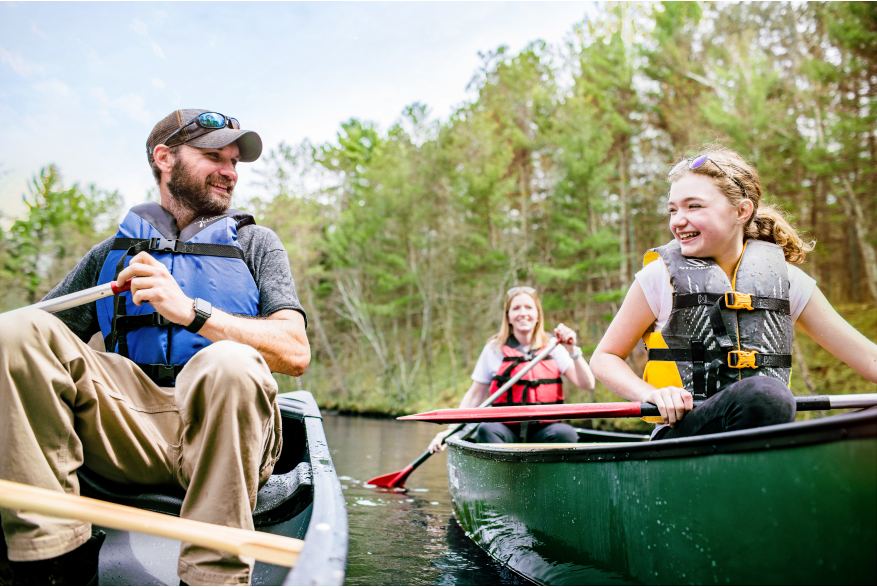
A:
(184, 396)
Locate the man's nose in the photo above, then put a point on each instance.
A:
(228, 171)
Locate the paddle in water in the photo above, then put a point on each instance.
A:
(398, 478)
(464, 416)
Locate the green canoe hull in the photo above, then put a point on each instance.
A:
(791, 504)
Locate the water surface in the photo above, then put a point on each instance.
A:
(403, 537)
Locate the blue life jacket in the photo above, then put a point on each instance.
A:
(206, 261)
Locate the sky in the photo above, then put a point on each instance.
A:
(82, 84)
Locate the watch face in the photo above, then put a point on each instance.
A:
(203, 307)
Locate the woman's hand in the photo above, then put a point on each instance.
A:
(438, 443)
(672, 402)
(566, 336)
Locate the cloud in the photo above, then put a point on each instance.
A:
(139, 28)
(56, 88)
(19, 64)
(142, 29)
(157, 82)
(131, 104)
(33, 27)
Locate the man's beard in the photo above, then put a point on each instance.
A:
(197, 197)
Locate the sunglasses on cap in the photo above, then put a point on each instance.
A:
(695, 162)
(520, 289)
(209, 121)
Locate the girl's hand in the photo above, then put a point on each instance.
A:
(672, 402)
(566, 336)
(438, 442)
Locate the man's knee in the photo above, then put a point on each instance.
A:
(236, 370)
(765, 400)
(24, 326)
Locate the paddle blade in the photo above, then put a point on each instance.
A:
(396, 479)
(528, 413)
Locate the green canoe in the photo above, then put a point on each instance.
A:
(780, 505)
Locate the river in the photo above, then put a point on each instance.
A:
(405, 537)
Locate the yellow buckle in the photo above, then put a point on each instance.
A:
(742, 359)
(738, 301)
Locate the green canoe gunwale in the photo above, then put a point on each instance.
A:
(859, 424)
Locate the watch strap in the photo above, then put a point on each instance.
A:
(200, 316)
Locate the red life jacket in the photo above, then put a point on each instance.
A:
(541, 385)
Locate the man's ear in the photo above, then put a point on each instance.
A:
(164, 159)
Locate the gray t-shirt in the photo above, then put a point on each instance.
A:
(263, 253)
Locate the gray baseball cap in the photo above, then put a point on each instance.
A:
(249, 143)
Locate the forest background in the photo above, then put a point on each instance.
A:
(403, 241)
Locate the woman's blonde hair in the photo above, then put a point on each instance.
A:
(767, 223)
(540, 339)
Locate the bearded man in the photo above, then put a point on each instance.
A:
(184, 394)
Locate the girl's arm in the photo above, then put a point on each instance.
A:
(633, 319)
(828, 328)
(579, 373)
(476, 394)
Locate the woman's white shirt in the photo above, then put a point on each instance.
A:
(654, 280)
(491, 359)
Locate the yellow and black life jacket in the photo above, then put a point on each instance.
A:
(720, 332)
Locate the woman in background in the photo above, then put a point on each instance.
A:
(519, 339)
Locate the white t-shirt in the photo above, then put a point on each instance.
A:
(491, 359)
(654, 279)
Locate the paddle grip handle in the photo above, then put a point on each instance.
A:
(118, 290)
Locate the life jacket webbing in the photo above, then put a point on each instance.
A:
(135, 246)
(163, 375)
(691, 300)
(172, 245)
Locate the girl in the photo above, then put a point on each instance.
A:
(717, 306)
(505, 353)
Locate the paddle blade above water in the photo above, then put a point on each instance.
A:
(396, 479)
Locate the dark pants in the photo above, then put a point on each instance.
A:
(750, 403)
(556, 432)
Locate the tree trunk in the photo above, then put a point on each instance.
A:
(869, 259)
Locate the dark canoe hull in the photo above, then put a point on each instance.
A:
(302, 500)
(790, 504)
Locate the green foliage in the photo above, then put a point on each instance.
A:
(59, 227)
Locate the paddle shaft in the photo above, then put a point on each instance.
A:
(398, 479)
(269, 548)
(612, 410)
(79, 298)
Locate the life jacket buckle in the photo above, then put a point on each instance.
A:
(163, 245)
(738, 301)
(164, 371)
(742, 359)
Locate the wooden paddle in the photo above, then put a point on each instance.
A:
(613, 410)
(269, 548)
(398, 478)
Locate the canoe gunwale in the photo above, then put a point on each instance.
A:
(860, 424)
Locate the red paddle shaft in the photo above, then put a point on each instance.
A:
(613, 410)
(79, 298)
(398, 478)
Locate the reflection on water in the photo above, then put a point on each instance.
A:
(403, 537)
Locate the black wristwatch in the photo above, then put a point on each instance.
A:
(203, 311)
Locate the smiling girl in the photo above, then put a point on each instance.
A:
(519, 339)
(716, 308)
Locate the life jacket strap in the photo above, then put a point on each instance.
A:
(161, 374)
(176, 246)
(731, 300)
(141, 320)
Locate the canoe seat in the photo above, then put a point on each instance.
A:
(288, 491)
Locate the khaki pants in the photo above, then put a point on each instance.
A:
(63, 404)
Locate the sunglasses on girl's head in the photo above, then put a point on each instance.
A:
(209, 121)
(695, 162)
(521, 289)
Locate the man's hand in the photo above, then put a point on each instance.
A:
(152, 282)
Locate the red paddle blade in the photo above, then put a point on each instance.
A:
(396, 479)
(527, 413)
